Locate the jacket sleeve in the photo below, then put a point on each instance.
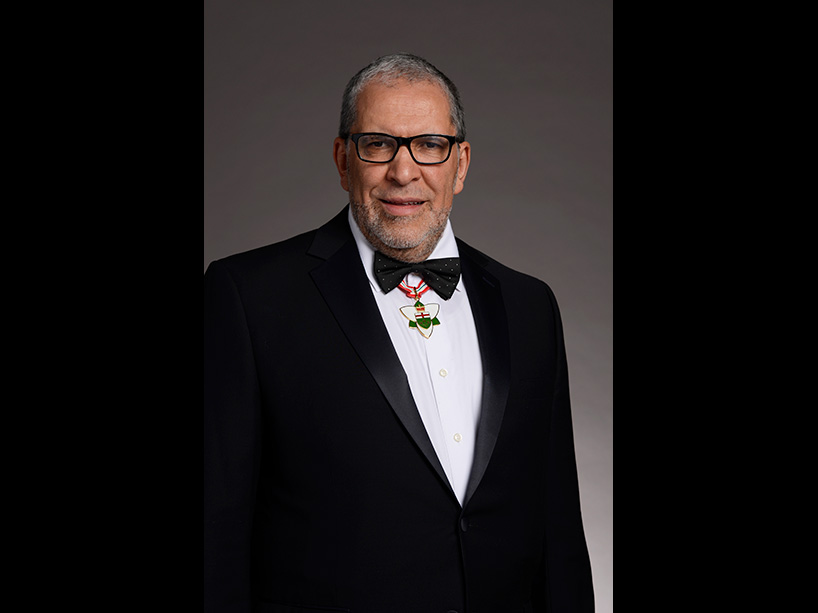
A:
(567, 569)
(231, 445)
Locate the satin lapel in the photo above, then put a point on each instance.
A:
(338, 279)
(490, 319)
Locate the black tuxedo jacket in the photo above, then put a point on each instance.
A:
(322, 489)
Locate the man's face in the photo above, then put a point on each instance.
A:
(401, 206)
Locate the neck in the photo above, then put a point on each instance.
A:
(410, 255)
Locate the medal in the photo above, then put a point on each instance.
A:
(422, 317)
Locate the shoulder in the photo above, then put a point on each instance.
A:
(287, 258)
(511, 280)
(258, 275)
(264, 260)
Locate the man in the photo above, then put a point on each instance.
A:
(387, 419)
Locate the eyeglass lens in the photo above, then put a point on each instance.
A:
(381, 148)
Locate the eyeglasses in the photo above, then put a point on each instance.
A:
(379, 148)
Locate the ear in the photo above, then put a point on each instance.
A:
(339, 153)
(464, 153)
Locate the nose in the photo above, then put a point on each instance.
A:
(403, 169)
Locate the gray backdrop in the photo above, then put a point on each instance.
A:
(537, 84)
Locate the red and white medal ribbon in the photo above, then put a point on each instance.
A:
(413, 292)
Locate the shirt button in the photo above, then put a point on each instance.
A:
(457, 437)
(443, 372)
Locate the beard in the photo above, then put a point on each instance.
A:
(407, 239)
(399, 232)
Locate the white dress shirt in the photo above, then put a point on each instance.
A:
(445, 371)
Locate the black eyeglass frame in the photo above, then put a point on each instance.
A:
(403, 140)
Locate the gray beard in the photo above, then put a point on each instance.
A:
(387, 235)
(389, 240)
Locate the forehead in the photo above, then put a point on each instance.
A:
(403, 108)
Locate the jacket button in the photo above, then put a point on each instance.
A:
(464, 526)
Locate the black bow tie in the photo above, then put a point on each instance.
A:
(441, 275)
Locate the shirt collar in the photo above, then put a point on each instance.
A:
(446, 248)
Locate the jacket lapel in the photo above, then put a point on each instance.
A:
(340, 277)
(491, 322)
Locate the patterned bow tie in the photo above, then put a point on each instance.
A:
(441, 275)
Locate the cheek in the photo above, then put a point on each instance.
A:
(363, 180)
(443, 185)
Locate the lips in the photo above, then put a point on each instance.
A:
(401, 201)
(401, 207)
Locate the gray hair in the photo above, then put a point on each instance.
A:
(390, 68)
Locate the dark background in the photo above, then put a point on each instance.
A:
(536, 80)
